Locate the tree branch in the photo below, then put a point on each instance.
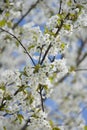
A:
(20, 44)
(80, 61)
(60, 7)
(32, 7)
(41, 49)
(80, 50)
(80, 69)
(41, 88)
(2, 104)
(46, 52)
(60, 27)
(26, 124)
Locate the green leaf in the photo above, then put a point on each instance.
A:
(21, 89)
(4, 127)
(8, 111)
(8, 97)
(67, 26)
(72, 68)
(7, 37)
(56, 128)
(7, 3)
(31, 47)
(36, 68)
(2, 87)
(59, 22)
(69, 3)
(9, 23)
(35, 116)
(17, 43)
(85, 127)
(62, 46)
(80, 7)
(49, 32)
(51, 78)
(7, 14)
(45, 87)
(51, 123)
(2, 22)
(73, 17)
(61, 16)
(30, 98)
(24, 73)
(20, 117)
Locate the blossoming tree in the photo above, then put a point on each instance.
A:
(36, 65)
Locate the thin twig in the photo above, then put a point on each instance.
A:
(52, 59)
(66, 75)
(63, 78)
(32, 7)
(46, 52)
(80, 49)
(25, 125)
(60, 6)
(41, 49)
(40, 56)
(81, 69)
(74, 1)
(2, 103)
(60, 27)
(41, 98)
(20, 44)
(80, 61)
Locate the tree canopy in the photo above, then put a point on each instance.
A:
(43, 57)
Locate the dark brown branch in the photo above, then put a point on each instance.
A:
(60, 27)
(26, 125)
(46, 52)
(40, 56)
(2, 104)
(20, 44)
(66, 75)
(74, 1)
(60, 6)
(41, 49)
(19, 90)
(63, 78)
(80, 69)
(80, 61)
(80, 50)
(32, 7)
(41, 88)
(52, 59)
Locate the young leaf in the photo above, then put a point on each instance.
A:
(2, 22)
(56, 128)
(85, 127)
